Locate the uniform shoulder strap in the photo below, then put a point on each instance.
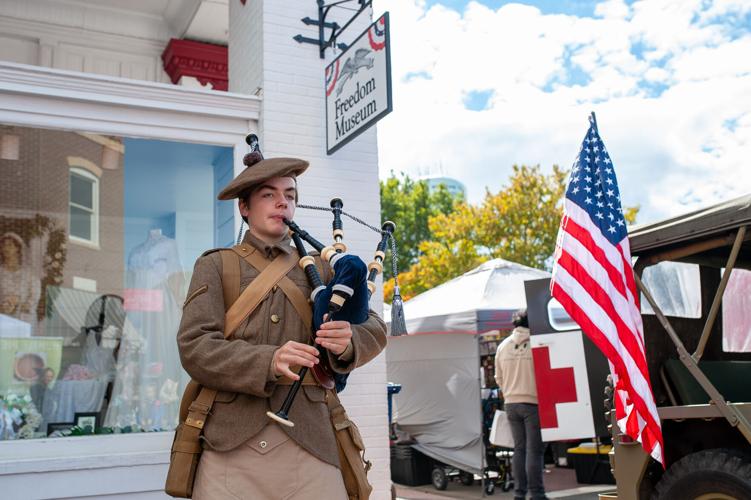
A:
(256, 291)
(230, 277)
(293, 293)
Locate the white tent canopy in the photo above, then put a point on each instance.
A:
(479, 300)
(439, 404)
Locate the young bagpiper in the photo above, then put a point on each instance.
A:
(247, 455)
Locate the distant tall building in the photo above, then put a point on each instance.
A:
(454, 187)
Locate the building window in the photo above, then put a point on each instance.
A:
(83, 207)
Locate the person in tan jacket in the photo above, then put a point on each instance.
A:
(515, 375)
(247, 455)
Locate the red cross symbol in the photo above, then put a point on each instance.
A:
(554, 385)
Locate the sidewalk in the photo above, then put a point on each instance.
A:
(559, 483)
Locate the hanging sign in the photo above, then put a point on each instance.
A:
(358, 86)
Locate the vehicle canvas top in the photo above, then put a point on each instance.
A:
(715, 221)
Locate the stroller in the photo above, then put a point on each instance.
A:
(497, 470)
(497, 458)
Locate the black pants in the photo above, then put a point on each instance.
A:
(527, 463)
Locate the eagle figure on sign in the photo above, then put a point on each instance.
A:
(352, 65)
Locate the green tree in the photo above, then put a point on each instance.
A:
(410, 204)
(519, 223)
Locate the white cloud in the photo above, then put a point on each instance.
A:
(613, 9)
(671, 88)
(726, 60)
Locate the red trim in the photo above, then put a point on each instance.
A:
(457, 332)
(204, 61)
(452, 332)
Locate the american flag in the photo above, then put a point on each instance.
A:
(593, 280)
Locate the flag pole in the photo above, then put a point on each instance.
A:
(594, 121)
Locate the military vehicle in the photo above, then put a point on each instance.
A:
(694, 272)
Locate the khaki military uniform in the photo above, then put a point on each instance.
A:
(240, 369)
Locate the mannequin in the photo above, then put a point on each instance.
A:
(148, 359)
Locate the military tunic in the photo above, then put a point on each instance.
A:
(240, 368)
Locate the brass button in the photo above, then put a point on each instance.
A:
(274, 288)
(274, 318)
(263, 444)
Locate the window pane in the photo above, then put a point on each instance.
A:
(80, 223)
(559, 318)
(676, 288)
(81, 191)
(87, 329)
(736, 321)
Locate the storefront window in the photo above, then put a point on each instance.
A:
(98, 236)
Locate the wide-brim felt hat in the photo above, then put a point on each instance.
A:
(261, 171)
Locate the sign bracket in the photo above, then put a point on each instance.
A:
(323, 11)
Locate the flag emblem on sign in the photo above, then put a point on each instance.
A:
(332, 74)
(593, 280)
(377, 34)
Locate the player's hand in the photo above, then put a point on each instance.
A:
(334, 336)
(293, 354)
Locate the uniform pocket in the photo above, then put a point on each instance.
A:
(314, 393)
(354, 432)
(225, 397)
(270, 438)
(261, 467)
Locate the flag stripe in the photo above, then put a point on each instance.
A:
(585, 238)
(625, 249)
(592, 287)
(614, 253)
(601, 271)
(599, 339)
(580, 225)
(606, 329)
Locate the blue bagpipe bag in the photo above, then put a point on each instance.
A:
(350, 277)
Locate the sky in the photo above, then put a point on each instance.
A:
(479, 86)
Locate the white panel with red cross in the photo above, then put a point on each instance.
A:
(562, 386)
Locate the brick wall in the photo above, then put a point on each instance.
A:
(265, 60)
(38, 184)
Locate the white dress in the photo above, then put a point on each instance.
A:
(148, 366)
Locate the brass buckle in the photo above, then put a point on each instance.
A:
(201, 408)
(198, 424)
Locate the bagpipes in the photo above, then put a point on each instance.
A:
(344, 298)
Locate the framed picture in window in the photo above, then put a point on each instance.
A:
(87, 422)
(58, 429)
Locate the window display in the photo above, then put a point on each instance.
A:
(95, 256)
